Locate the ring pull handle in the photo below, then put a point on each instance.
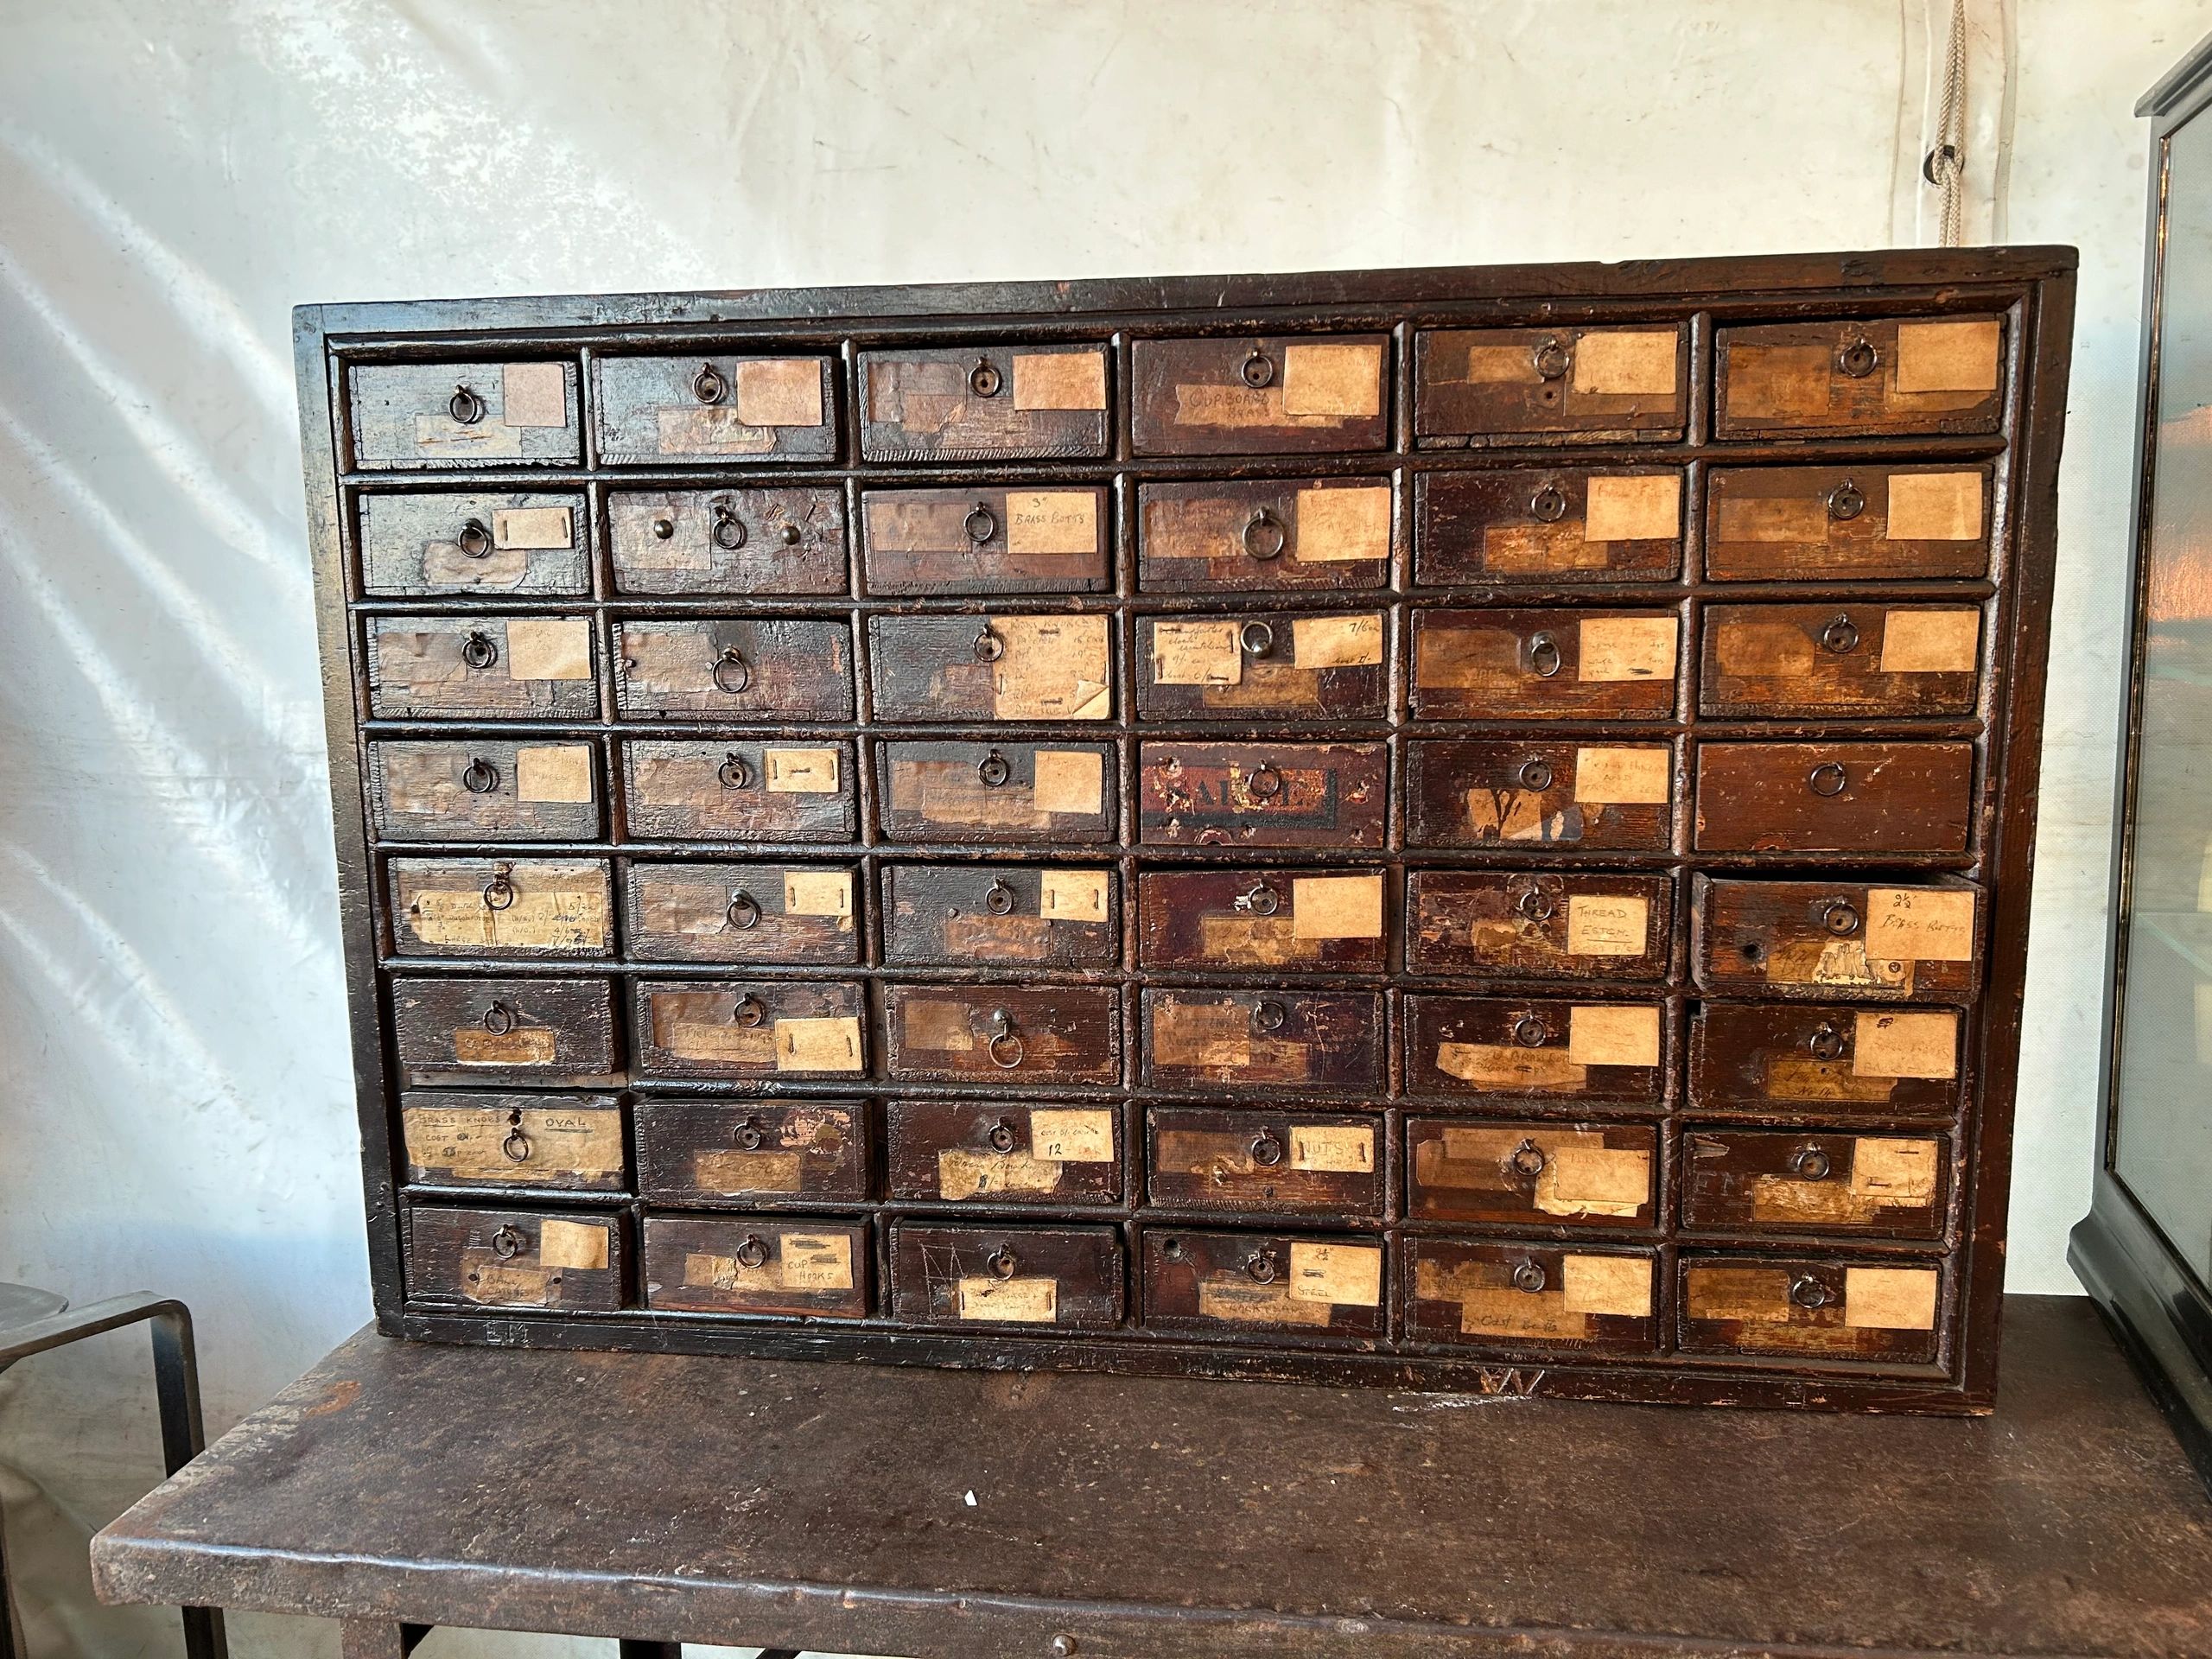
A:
(1549, 505)
(1265, 784)
(1529, 1276)
(749, 1135)
(1828, 779)
(1004, 1047)
(1267, 1149)
(998, 899)
(1840, 637)
(1545, 656)
(516, 1148)
(733, 674)
(1002, 1135)
(507, 1242)
(1002, 1262)
(1826, 1042)
(1527, 1159)
(499, 1020)
(1840, 917)
(993, 769)
(709, 385)
(990, 645)
(1265, 536)
(1809, 1293)
(466, 407)
(744, 911)
(1268, 1016)
(1812, 1163)
(1260, 899)
(1551, 358)
(499, 891)
(1536, 904)
(1260, 1266)
(728, 532)
(984, 379)
(1531, 1032)
(1846, 502)
(478, 650)
(664, 527)
(981, 523)
(1535, 773)
(1258, 370)
(734, 772)
(1256, 638)
(480, 776)
(749, 1011)
(474, 540)
(753, 1251)
(1858, 359)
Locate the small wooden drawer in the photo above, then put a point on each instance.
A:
(1838, 939)
(947, 794)
(1795, 1057)
(1535, 924)
(1205, 1158)
(1846, 522)
(1502, 1294)
(1278, 920)
(1253, 1284)
(1261, 795)
(515, 1258)
(728, 790)
(1791, 1181)
(705, 1154)
(1840, 658)
(988, 539)
(998, 1153)
(652, 411)
(1531, 1174)
(567, 1142)
(502, 545)
(971, 668)
(534, 1031)
(1243, 396)
(1549, 526)
(1604, 1052)
(1266, 666)
(1922, 375)
(1264, 1040)
(715, 541)
(981, 403)
(727, 1028)
(481, 667)
(501, 907)
(728, 668)
(1259, 535)
(1501, 385)
(1597, 796)
(1008, 1276)
(971, 1033)
(489, 789)
(814, 1266)
(1546, 664)
(1791, 1308)
(415, 414)
(962, 914)
(1834, 798)
(739, 912)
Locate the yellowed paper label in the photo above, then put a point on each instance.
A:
(962, 1173)
(1338, 641)
(822, 1045)
(547, 918)
(1340, 525)
(1072, 896)
(1070, 780)
(549, 648)
(1934, 507)
(1633, 509)
(1613, 1034)
(1920, 924)
(1582, 1179)
(815, 1261)
(938, 1027)
(1072, 1136)
(533, 527)
(801, 771)
(1052, 521)
(779, 391)
(441, 435)
(1894, 1172)
(1948, 356)
(558, 772)
(534, 394)
(1196, 653)
(1012, 1301)
(1509, 1065)
(581, 1245)
(1607, 925)
(730, 1169)
(709, 431)
(1201, 1033)
(1235, 1298)
(1497, 364)
(525, 1045)
(1617, 1286)
(1890, 1299)
(817, 893)
(1901, 1045)
(1054, 668)
(1333, 1148)
(1625, 362)
(1626, 648)
(1336, 906)
(1332, 379)
(1343, 1276)
(470, 1141)
(1624, 777)
(1773, 519)
(1931, 642)
(1059, 379)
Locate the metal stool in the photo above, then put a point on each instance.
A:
(32, 1321)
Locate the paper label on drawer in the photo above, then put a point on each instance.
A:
(1617, 1286)
(1332, 379)
(549, 648)
(1500, 364)
(441, 435)
(714, 1039)
(1072, 1136)
(1893, 1172)
(1778, 382)
(1607, 925)
(1338, 641)
(525, 1045)
(819, 1045)
(485, 1278)
(719, 430)
(554, 919)
(779, 391)
(731, 1169)
(534, 394)
(1053, 668)
(940, 1027)
(815, 1261)
(1920, 924)
(1624, 777)
(1931, 642)
(469, 1142)
(1626, 362)
(533, 527)
(1201, 1033)
(1344, 1275)
(1890, 1299)
(1052, 521)
(1948, 356)
(1593, 1180)
(1626, 648)
(1509, 1065)
(559, 773)
(1236, 1298)
(817, 893)
(1900, 1045)
(1016, 1301)
(1070, 780)
(1336, 906)
(1196, 653)
(801, 771)
(1074, 380)
(1333, 1148)
(1342, 525)
(1633, 509)
(1604, 1034)
(1934, 507)
(1072, 896)
(1773, 519)
(1754, 1295)
(581, 1245)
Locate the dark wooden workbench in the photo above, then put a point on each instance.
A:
(854, 1510)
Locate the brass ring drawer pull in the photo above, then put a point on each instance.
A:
(1256, 638)
(733, 675)
(1267, 1149)
(728, 532)
(1840, 917)
(981, 523)
(1258, 370)
(478, 651)
(1812, 1163)
(1860, 359)
(507, 1242)
(1528, 1159)
(984, 379)
(466, 407)
(1535, 774)
(1270, 1016)
(993, 769)
(1846, 502)
(1840, 636)
(1265, 536)
(1551, 359)
(516, 1148)
(990, 645)
(474, 540)
(1261, 1267)
(1005, 1047)
(1529, 1276)
(1536, 905)
(1809, 1293)
(744, 911)
(499, 891)
(1531, 1032)
(709, 385)
(734, 773)
(1549, 505)
(998, 899)
(480, 776)
(749, 1137)
(1260, 899)
(749, 1011)
(753, 1251)
(499, 1020)
(1828, 779)
(1002, 1135)
(1545, 656)
(1826, 1042)
(1265, 784)
(1002, 1262)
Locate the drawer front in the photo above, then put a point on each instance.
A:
(570, 1142)
(992, 1153)
(961, 914)
(1531, 1174)
(1264, 1040)
(987, 540)
(1001, 1034)
(1838, 939)
(810, 1265)
(739, 912)
(715, 1153)
(1268, 666)
(653, 410)
(502, 544)
(1202, 1158)
(1258, 535)
(1008, 1277)
(484, 788)
(1275, 919)
(1263, 794)
(484, 667)
(948, 793)
(1799, 524)
(1598, 797)
(515, 1258)
(1912, 376)
(729, 1028)
(412, 415)
(1487, 384)
(723, 668)
(1790, 1181)
(1250, 397)
(1834, 798)
(681, 542)
(971, 403)
(740, 792)
(947, 668)
(1535, 924)
(1841, 659)
(1546, 665)
(1513, 1295)
(501, 907)
(538, 1030)
(1792, 1308)
(1609, 1052)
(1795, 1057)
(1549, 526)
(1250, 1284)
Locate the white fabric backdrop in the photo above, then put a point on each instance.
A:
(175, 176)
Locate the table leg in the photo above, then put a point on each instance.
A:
(376, 1638)
(651, 1649)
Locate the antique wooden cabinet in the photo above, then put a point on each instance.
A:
(1465, 829)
